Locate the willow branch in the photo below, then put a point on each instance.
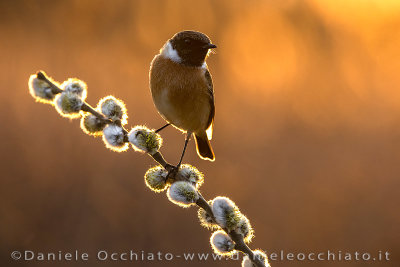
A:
(240, 245)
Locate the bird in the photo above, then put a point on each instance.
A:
(182, 89)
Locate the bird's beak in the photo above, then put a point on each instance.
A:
(209, 46)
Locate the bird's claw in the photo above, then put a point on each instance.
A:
(172, 171)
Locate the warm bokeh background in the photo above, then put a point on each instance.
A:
(307, 129)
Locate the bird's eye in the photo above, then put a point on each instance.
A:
(187, 41)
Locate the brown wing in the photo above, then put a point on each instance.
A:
(212, 101)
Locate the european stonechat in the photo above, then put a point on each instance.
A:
(182, 88)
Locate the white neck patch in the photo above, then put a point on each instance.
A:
(169, 52)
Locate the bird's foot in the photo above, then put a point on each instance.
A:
(172, 171)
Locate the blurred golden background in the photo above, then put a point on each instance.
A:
(306, 136)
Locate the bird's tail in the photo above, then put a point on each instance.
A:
(203, 147)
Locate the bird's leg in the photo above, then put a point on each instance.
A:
(162, 128)
(175, 169)
(188, 134)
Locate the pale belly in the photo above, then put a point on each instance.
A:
(186, 110)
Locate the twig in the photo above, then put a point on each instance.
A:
(240, 245)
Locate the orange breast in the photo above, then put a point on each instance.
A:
(180, 94)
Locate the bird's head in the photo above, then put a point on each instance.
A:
(189, 48)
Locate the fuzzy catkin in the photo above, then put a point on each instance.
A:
(155, 179)
(113, 108)
(226, 213)
(114, 138)
(221, 243)
(40, 90)
(144, 139)
(260, 255)
(183, 194)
